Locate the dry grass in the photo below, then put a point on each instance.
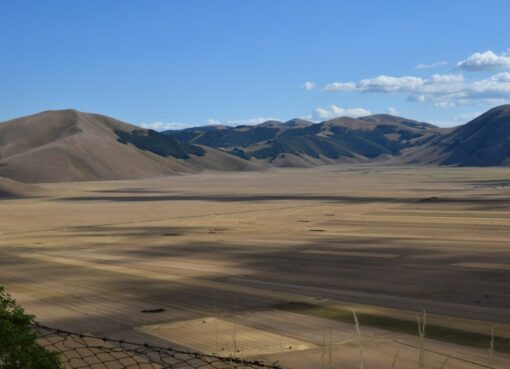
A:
(394, 241)
(233, 339)
(436, 332)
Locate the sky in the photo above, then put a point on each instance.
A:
(168, 64)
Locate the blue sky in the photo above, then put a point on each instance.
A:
(196, 62)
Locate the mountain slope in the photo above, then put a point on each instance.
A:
(68, 145)
(399, 121)
(302, 143)
(12, 189)
(484, 141)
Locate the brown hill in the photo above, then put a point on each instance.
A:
(13, 189)
(484, 141)
(302, 143)
(68, 145)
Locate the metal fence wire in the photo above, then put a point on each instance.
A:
(81, 351)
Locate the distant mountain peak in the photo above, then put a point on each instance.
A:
(482, 142)
(269, 123)
(298, 122)
(501, 110)
(394, 119)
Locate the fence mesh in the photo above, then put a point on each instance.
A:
(80, 351)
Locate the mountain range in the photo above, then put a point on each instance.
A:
(302, 143)
(68, 145)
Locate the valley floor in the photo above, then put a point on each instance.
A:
(271, 264)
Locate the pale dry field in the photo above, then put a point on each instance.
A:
(269, 264)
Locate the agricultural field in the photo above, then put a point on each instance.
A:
(271, 265)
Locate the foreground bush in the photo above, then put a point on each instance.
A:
(18, 345)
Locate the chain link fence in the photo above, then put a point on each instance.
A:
(80, 351)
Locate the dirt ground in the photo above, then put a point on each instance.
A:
(154, 259)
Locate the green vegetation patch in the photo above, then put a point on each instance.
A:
(158, 143)
(243, 136)
(436, 332)
(313, 146)
(18, 343)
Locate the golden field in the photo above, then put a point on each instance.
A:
(271, 264)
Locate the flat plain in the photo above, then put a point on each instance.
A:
(271, 264)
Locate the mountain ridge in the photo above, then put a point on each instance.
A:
(483, 141)
(304, 143)
(69, 145)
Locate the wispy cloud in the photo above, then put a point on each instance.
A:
(165, 126)
(392, 111)
(240, 122)
(333, 111)
(444, 90)
(213, 122)
(431, 65)
(248, 122)
(485, 61)
(340, 86)
(308, 86)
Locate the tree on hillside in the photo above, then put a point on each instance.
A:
(18, 343)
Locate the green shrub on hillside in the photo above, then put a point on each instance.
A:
(159, 143)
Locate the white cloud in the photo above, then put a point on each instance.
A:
(445, 78)
(487, 60)
(165, 126)
(308, 86)
(389, 84)
(408, 84)
(213, 122)
(431, 65)
(392, 111)
(443, 90)
(333, 111)
(249, 121)
(340, 86)
(444, 104)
